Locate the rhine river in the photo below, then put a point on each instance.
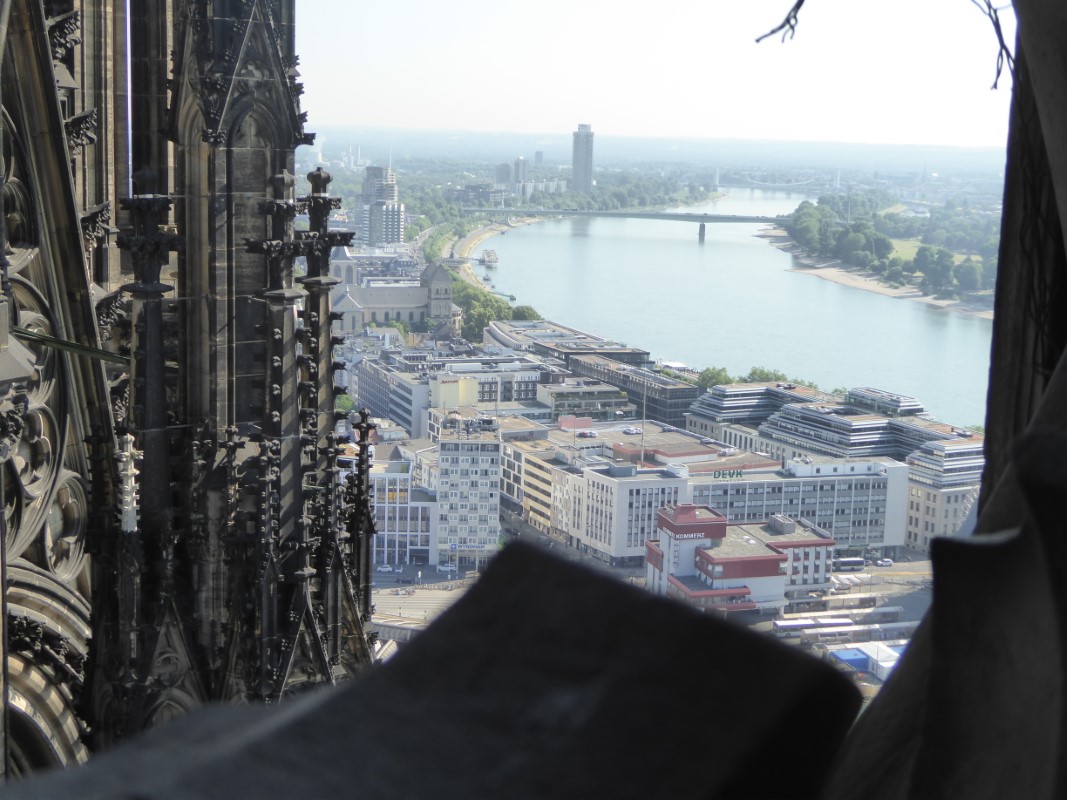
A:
(732, 302)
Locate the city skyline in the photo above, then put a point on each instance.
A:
(909, 73)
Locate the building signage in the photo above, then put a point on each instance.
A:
(723, 474)
(691, 536)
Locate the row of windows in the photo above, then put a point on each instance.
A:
(398, 316)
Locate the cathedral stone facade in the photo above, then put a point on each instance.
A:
(175, 533)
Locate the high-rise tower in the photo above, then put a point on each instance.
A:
(382, 214)
(582, 160)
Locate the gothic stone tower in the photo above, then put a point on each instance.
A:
(175, 532)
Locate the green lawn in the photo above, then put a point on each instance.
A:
(906, 249)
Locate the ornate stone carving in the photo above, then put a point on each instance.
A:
(81, 130)
(63, 33)
(95, 225)
(12, 424)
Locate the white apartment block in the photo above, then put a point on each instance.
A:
(468, 496)
(860, 502)
(405, 517)
(809, 552)
(591, 494)
(700, 559)
(404, 385)
(696, 557)
(601, 508)
(945, 479)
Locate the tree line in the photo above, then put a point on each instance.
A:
(719, 376)
(854, 229)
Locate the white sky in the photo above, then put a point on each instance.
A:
(871, 71)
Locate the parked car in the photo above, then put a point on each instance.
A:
(587, 434)
(884, 562)
(384, 568)
(446, 568)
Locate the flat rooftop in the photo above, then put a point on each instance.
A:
(767, 533)
(739, 545)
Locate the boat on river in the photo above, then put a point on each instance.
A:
(488, 258)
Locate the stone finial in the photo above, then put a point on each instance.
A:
(319, 180)
(282, 184)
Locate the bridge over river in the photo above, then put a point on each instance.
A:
(673, 216)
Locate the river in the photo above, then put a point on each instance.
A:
(733, 302)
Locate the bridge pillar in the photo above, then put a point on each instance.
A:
(703, 230)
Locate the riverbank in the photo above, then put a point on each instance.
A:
(838, 272)
(466, 246)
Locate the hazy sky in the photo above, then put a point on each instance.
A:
(873, 71)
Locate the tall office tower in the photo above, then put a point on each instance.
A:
(582, 159)
(539, 158)
(175, 531)
(502, 175)
(519, 173)
(379, 184)
(382, 214)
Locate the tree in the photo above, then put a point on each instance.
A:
(882, 246)
(764, 375)
(942, 269)
(924, 257)
(989, 272)
(525, 313)
(968, 275)
(713, 376)
(479, 308)
(860, 258)
(850, 243)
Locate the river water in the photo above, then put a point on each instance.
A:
(732, 302)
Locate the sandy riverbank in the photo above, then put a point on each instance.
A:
(837, 272)
(466, 246)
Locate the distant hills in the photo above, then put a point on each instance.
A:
(378, 144)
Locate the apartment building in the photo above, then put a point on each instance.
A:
(382, 214)
(549, 339)
(694, 557)
(405, 516)
(945, 479)
(656, 396)
(404, 384)
(944, 462)
(468, 495)
(860, 502)
(747, 404)
(619, 506)
(582, 159)
(597, 400)
(697, 557)
(809, 551)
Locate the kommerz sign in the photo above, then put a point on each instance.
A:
(721, 474)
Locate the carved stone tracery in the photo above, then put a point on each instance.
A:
(81, 130)
(63, 34)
